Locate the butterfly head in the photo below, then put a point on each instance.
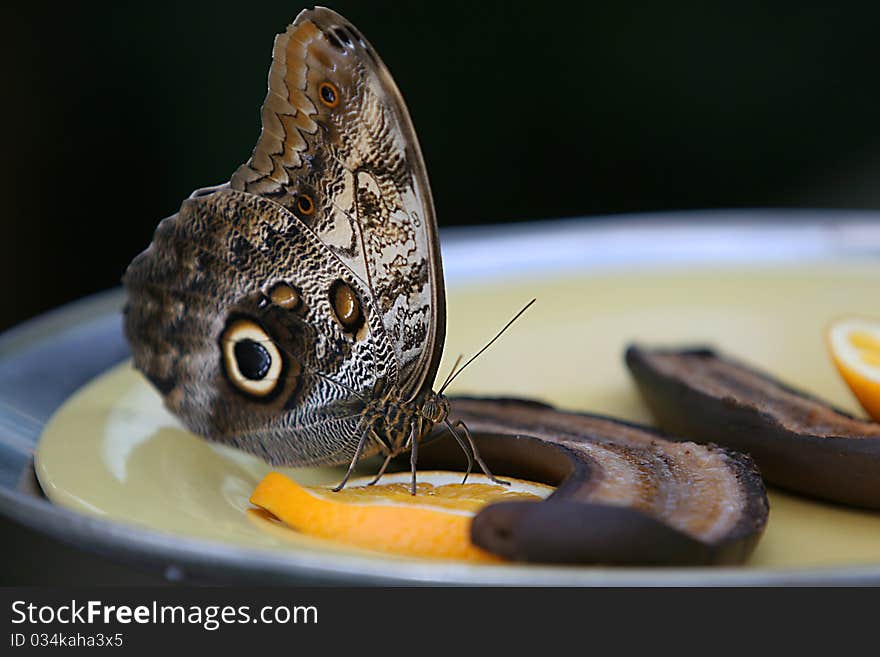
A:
(435, 408)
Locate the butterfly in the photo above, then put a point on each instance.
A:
(297, 312)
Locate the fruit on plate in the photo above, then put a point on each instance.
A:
(623, 494)
(799, 442)
(854, 343)
(626, 493)
(434, 523)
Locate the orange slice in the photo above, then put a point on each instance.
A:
(434, 523)
(854, 343)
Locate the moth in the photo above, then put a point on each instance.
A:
(297, 312)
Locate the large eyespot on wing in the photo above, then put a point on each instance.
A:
(338, 149)
(250, 359)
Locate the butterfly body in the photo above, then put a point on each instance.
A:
(396, 425)
(396, 421)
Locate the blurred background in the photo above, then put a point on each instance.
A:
(113, 113)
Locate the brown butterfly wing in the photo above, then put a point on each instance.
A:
(210, 278)
(333, 210)
(338, 150)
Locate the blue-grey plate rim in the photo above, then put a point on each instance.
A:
(54, 344)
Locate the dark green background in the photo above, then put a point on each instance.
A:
(113, 113)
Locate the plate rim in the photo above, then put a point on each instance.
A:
(193, 556)
(826, 236)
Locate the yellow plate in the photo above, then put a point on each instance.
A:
(112, 450)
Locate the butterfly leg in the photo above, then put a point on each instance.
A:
(354, 460)
(414, 437)
(388, 456)
(480, 462)
(375, 480)
(464, 448)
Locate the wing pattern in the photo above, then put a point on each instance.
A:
(334, 197)
(358, 161)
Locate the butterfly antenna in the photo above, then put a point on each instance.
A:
(451, 377)
(452, 371)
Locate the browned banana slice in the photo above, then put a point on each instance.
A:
(626, 494)
(799, 442)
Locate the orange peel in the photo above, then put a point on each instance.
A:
(854, 344)
(434, 523)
